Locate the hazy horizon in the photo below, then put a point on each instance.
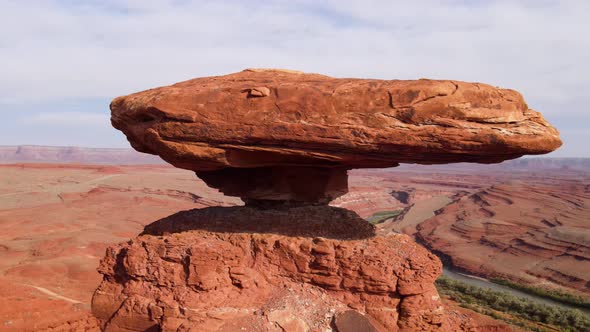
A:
(548, 156)
(64, 61)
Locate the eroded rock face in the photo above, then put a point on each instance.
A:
(280, 119)
(261, 186)
(201, 270)
(532, 232)
(261, 118)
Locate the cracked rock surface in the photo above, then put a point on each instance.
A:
(281, 119)
(261, 118)
(189, 272)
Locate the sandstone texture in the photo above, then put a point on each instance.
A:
(534, 233)
(228, 127)
(261, 118)
(203, 270)
(27, 308)
(58, 219)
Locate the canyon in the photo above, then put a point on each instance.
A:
(51, 247)
(55, 244)
(59, 220)
(536, 227)
(283, 144)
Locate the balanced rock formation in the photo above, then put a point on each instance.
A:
(283, 141)
(298, 128)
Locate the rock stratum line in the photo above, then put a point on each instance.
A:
(293, 125)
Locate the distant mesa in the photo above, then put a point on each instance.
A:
(73, 154)
(279, 135)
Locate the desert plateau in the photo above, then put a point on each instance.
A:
(58, 220)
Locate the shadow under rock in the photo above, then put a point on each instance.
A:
(305, 221)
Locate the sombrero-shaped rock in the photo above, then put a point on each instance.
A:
(310, 128)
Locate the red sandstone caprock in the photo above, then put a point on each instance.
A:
(295, 126)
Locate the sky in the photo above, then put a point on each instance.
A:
(62, 61)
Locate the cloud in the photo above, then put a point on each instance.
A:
(58, 50)
(67, 119)
(88, 49)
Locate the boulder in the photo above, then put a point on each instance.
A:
(290, 123)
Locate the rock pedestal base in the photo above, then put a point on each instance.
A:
(203, 270)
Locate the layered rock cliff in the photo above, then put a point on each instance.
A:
(239, 268)
(503, 232)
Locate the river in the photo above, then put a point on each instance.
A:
(426, 210)
(483, 283)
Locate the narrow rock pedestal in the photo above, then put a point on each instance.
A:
(205, 270)
(281, 185)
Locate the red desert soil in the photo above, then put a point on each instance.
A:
(58, 220)
(532, 230)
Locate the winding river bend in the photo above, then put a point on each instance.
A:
(421, 211)
(484, 283)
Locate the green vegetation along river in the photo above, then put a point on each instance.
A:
(421, 211)
(424, 210)
(486, 284)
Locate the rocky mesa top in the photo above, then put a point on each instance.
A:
(268, 117)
